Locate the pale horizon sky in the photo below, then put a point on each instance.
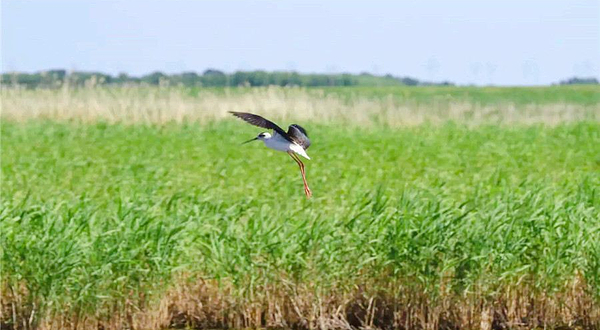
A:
(466, 42)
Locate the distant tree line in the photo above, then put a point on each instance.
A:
(209, 78)
(579, 81)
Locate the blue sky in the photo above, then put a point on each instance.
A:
(482, 42)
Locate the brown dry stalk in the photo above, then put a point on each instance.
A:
(193, 302)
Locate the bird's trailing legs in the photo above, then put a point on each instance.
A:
(306, 189)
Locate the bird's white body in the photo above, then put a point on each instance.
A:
(279, 143)
(294, 142)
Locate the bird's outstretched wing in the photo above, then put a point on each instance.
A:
(259, 121)
(298, 135)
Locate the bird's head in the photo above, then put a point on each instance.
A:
(262, 136)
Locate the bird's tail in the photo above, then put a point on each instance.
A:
(303, 154)
(299, 150)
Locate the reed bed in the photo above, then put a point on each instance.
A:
(138, 209)
(181, 105)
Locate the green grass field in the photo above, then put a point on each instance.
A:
(587, 95)
(432, 225)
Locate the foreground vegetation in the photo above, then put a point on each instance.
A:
(467, 221)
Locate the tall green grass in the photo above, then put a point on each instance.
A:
(432, 226)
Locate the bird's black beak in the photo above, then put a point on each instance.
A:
(250, 140)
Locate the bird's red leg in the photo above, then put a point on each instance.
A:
(301, 165)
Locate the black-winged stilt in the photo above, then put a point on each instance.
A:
(295, 141)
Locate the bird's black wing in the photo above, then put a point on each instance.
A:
(298, 135)
(259, 121)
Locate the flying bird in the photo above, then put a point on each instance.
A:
(295, 141)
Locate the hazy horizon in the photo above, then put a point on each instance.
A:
(465, 42)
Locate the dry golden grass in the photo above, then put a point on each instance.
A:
(173, 104)
(203, 304)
